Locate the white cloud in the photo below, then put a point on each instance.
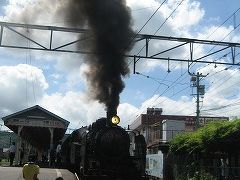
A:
(48, 12)
(189, 13)
(32, 11)
(126, 112)
(139, 95)
(79, 109)
(75, 107)
(215, 33)
(56, 76)
(74, 104)
(223, 81)
(20, 85)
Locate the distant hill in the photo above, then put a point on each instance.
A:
(6, 138)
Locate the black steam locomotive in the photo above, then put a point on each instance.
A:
(105, 150)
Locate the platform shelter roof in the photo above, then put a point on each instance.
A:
(35, 123)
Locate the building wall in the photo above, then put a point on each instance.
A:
(158, 128)
(171, 128)
(150, 124)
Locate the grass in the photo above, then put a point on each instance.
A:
(4, 162)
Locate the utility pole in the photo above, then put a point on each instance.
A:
(200, 91)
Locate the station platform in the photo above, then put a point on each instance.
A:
(15, 173)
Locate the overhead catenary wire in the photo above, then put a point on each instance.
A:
(223, 111)
(212, 48)
(145, 25)
(161, 27)
(26, 74)
(224, 80)
(153, 105)
(215, 31)
(157, 79)
(225, 55)
(32, 75)
(221, 26)
(229, 112)
(210, 35)
(237, 103)
(33, 78)
(160, 84)
(224, 69)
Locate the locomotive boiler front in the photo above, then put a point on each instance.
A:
(112, 143)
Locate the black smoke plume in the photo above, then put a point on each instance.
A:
(110, 37)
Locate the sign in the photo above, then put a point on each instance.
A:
(154, 165)
(34, 123)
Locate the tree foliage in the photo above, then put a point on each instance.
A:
(6, 138)
(214, 136)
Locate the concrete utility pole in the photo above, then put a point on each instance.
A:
(200, 91)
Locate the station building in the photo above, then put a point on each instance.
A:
(38, 130)
(159, 129)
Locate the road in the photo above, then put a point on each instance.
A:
(15, 173)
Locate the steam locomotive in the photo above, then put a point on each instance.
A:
(105, 150)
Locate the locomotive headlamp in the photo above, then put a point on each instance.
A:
(115, 120)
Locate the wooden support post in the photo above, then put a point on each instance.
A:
(51, 140)
(18, 143)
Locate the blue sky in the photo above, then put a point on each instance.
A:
(56, 81)
(222, 8)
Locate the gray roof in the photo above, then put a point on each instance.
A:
(39, 108)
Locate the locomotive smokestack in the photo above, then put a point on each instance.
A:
(110, 37)
(111, 113)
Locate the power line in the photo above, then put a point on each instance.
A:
(156, 33)
(161, 26)
(208, 37)
(237, 108)
(151, 105)
(224, 69)
(185, 72)
(225, 80)
(225, 37)
(150, 7)
(228, 105)
(172, 95)
(145, 25)
(157, 79)
(33, 78)
(216, 30)
(224, 111)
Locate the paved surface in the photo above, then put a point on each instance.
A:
(15, 173)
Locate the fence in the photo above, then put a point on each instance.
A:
(209, 172)
(156, 136)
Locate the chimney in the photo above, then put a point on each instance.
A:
(154, 111)
(110, 113)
